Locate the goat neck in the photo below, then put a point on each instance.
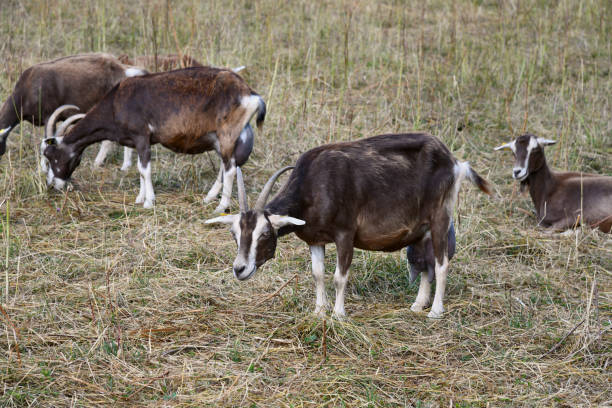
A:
(540, 183)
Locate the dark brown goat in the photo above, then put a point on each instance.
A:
(562, 200)
(188, 111)
(381, 194)
(80, 80)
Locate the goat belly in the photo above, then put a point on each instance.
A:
(191, 144)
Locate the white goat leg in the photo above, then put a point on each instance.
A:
(127, 158)
(43, 163)
(141, 194)
(423, 297)
(228, 182)
(340, 284)
(437, 309)
(216, 187)
(105, 146)
(317, 254)
(147, 183)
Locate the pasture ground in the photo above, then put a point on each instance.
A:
(107, 304)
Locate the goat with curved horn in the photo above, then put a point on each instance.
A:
(49, 133)
(62, 128)
(333, 196)
(265, 192)
(54, 116)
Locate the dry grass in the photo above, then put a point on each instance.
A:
(109, 304)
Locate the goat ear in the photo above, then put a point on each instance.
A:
(545, 142)
(507, 146)
(279, 221)
(224, 219)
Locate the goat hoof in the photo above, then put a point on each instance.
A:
(435, 314)
(148, 204)
(417, 307)
(126, 167)
(208, 199)
(339, 315)
(220, 209)
(97, 165)
(140, 199)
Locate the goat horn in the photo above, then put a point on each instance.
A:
(242, 197)
(53, 118)
(62, 128)
(265, 192)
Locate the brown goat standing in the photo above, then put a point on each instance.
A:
(379, 194)
(188, 111)
(562, 200)
(80, 80)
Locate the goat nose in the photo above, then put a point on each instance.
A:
(517, 172)
(238, 269)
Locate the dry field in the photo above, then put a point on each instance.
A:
(107, 304)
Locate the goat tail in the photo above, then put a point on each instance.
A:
(464, 170)
(261, 112)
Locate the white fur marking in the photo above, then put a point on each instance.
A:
(248, 265)
(145, 180)
(317, 254)
(216, 187)
(250, 104)
(238, 69)
(50, 176)
(340, 284)
(437, 308)
(243, 135)
(127, 158)
(151, 128)
(521, 172)
(59, 183)
(105, 146)
(228, 181)
(424, 296)
(133, 72)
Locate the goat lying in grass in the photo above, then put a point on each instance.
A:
(381, 194)
(78, 80)
(562, 199)
(189, 111)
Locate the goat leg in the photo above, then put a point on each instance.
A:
(343, 263)
(317, 254)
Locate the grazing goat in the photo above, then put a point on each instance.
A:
(80, 80)
(420, 256)
(562, 200)
(381, 193)
(153, 64)
(191, 111)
